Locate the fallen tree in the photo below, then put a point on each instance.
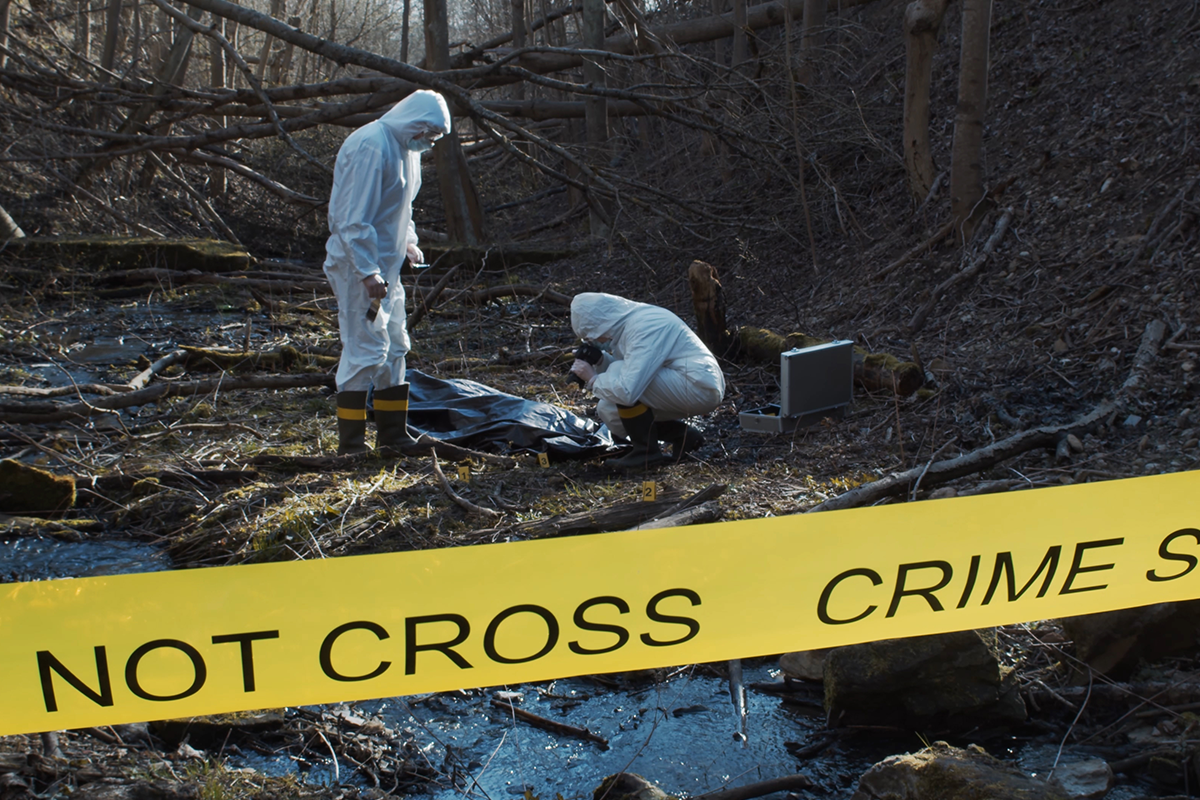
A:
(1045, 436)
(748, 344)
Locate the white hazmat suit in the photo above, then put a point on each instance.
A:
(377, 175)
(654, 359)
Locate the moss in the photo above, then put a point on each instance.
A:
(29, 490)
(118, 253)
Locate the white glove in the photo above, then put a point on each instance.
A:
(414, 254)
(584, 370)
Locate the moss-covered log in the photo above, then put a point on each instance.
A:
(747, 344)
(115, 252)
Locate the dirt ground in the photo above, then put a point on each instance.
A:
(1091, 128)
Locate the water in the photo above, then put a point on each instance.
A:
(30, 558)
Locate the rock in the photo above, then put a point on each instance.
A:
(1074, 443)
(628, 786)
(30, 490)
(942, 772)
(1085, 780)
(808, 665)
(949, 679)
(1114, 642)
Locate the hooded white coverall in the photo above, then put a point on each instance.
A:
(375, 179)
(654, 358)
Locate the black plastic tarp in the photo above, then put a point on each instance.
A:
(478, 416)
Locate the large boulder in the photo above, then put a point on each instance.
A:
(952, 680)
(1115, 642)
(942, 772)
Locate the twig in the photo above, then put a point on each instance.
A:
(549, 724)
(918, 320)
(429, 299)
(458, 498)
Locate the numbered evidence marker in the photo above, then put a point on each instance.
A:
(543, 459)
(464, 473)
(649, 491)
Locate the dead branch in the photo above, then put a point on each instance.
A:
(481, 296)
(986, 457)
(63, 391)
(461, 501)
(171, 277)
(161, 391)
(710, 492)
(939, 234)
(972, 269)
(427, 300)
(616, 518)
(705, 512)
(787, 783)
(549, 724)
(157, 368)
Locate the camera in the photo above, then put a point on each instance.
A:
(585, 352)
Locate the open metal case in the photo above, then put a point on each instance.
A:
(815, 382)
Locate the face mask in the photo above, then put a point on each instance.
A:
(420, 145)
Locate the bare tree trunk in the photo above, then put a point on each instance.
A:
(812, 39)
(264, 55)
(464, 217)
(922, 20)
(718, 7)
(4, 6)
(112, 32)
(518, 40)
(83, 29)
(741, 48)
(595, 107)
(217, 178)
(404, 25)
(282, 70)
(966, 166)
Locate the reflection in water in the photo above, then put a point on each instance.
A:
(33, 558)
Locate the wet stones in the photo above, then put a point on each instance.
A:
(942, 772)
(950, 679)
(1115, 642)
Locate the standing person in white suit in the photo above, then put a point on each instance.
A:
(371, 232)
(654, 373)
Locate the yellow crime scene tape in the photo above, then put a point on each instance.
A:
(99, 651)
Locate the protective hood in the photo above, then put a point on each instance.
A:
(595, 315)
(412, 114)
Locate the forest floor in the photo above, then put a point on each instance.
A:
(1093, 133)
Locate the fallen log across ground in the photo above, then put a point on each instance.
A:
(939, 472)
(872, 371)
(624, 516)
(40, 413)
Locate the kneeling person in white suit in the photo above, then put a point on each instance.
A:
(654, 373)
